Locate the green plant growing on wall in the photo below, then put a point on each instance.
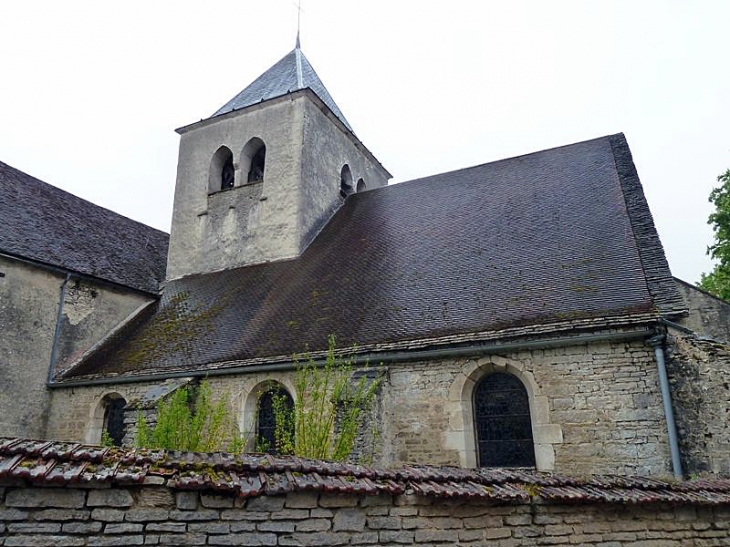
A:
(717, 281)
(328, 409)
(190, 420)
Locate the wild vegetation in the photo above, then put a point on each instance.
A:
(323, 422)
(190, 420)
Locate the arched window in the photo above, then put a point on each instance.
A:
(253, 160)
(346, 187)
(222, 173)
(502, 422)
(275, 403)
(361, 185)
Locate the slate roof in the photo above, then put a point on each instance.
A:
(43, 223)
(291, 73)
(249, 475)
(532, 240)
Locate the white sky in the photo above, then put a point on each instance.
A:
(90, 92)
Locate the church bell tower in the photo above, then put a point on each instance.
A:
(258, 180)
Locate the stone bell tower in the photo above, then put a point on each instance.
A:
(258, 180)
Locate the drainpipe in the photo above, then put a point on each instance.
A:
(57, 333)
(657, 342)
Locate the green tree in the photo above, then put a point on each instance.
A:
(717, 282)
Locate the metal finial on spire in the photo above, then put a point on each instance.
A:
(299, 21)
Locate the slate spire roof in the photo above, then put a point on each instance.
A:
(292, 73)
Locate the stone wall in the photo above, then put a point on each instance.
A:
(157, 515)
(699, 374)
(595, 408)
(709, 316)
(29, 302)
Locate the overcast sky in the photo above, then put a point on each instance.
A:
(91, 92)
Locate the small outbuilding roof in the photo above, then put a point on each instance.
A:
(561, 234)
(45, 224)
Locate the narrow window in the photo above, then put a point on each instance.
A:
(274, 397)
(502, 422)
(114, 419)
(361, 185)
(346, 187)
(253, 160)
(227, 174)
(222, 172)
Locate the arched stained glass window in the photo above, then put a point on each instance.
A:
(502, 422)
(266, 426)
(114, 419)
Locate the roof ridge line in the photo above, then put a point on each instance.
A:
(298, 57)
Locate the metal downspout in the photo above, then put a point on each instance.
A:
(657, 342)
(57, 332)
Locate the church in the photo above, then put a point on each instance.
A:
(518, 313)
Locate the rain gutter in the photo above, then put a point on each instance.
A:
(657, 342)
(384, 357)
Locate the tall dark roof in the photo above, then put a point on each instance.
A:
(557, 235)
(291, 73)
(43, 223)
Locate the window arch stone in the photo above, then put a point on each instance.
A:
(253, 161)
(461, 435)
(222, 170)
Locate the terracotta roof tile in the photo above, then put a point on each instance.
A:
(248, 475)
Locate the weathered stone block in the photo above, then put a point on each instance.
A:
(275, 526)
(301, 500)
(215, 501)
(290, 514)
(82, 527)
(110, 498)
(183, 539)
(313, 525)
(388, 536)
(13, 514)
(115, 541)
(338, 501)
(146, 515)
(34, 528)
(384, 523)
(166, 527)
(61, 514)
(44, 541)
(123, 528)
(243, 514)
(350, 520)
(436, 536)
(244, 539)
(210, 527)
(266, 503)
(186, 501)
(108, 515)
(45, 497)
(190, 516)
(324, 539)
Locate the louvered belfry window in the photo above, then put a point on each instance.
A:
(502, 422)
